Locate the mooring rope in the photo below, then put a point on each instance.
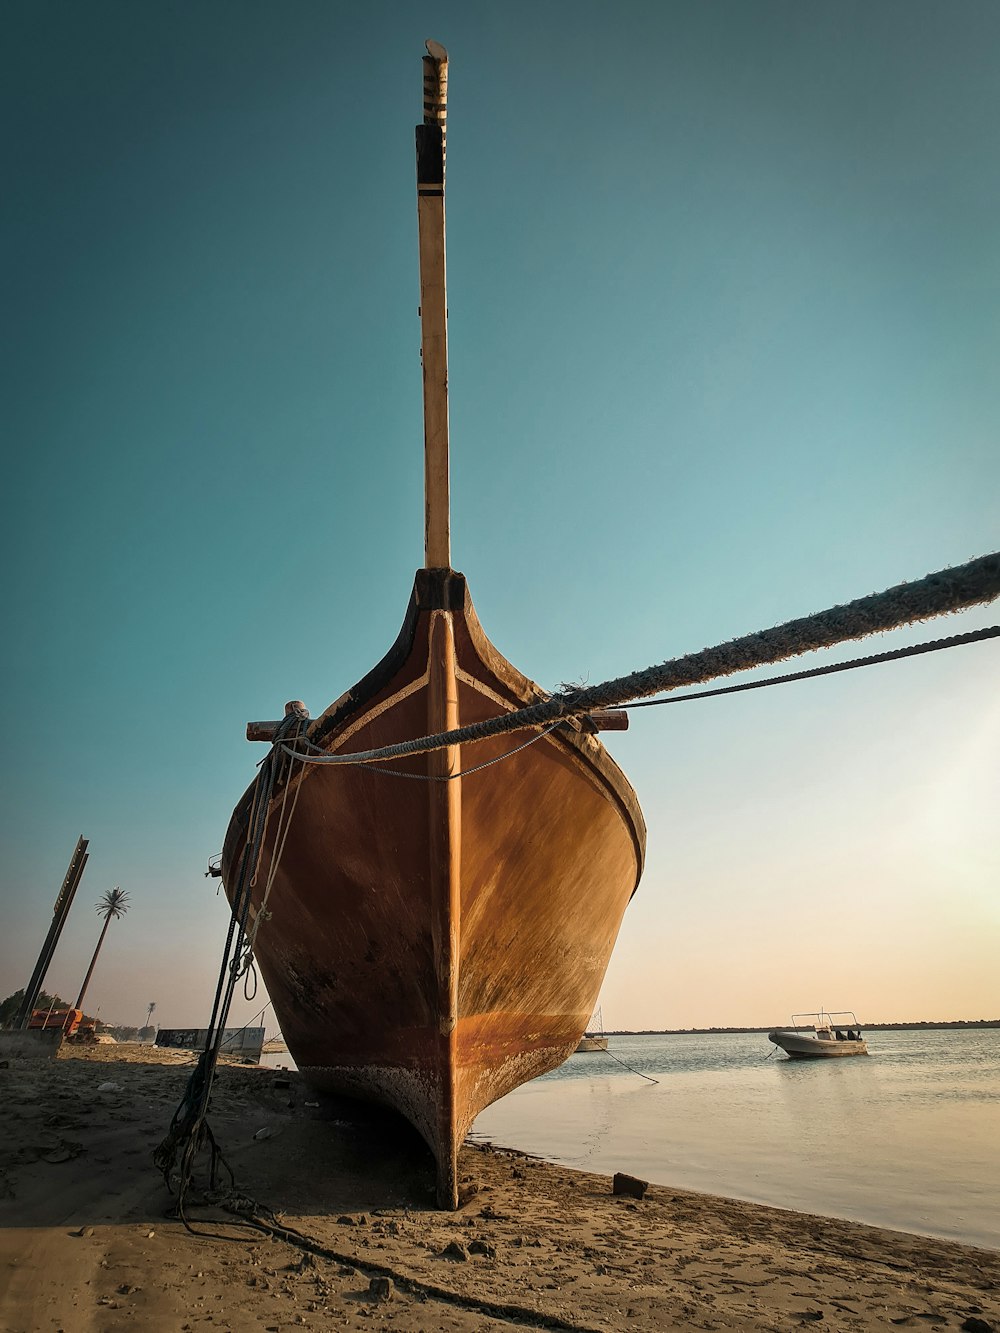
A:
(249, 1024)
(943, 593)
(321, 757)
(631, 1068)
(914, 650)
(189, 1130)
(280, 836)
(257, 1215)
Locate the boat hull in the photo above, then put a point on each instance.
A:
(587, 1045)
(434, 944)
(800, 1046)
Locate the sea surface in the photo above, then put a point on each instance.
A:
(908, 1137)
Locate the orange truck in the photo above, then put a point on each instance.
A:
(71, 1021)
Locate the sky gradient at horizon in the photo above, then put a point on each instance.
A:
(723, 290)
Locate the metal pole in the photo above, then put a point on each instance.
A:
(60, 912)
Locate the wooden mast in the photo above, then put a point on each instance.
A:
(444, 797)
(434, 307)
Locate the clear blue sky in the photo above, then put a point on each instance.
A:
(723, 282)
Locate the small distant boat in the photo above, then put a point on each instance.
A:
(593, 1039)
(591, 1043)
(827, 1035)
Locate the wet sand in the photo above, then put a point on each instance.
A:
(87, 1242)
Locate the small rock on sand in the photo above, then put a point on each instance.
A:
(380, 1288)
(629, 1185)
(455, 1250)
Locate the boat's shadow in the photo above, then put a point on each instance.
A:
(331, 1155)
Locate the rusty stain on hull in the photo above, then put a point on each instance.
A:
(433, 945)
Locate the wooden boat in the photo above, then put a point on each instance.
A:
(431, 939)
(591, 1042)
(835, 1034)
(593, 1039)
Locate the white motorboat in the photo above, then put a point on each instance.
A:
(829, 1034)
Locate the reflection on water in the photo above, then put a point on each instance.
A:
(905, 1138)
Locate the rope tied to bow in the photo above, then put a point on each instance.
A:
(942, 593)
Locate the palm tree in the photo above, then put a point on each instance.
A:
(112, 903)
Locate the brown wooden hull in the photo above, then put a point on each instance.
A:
(429, 944)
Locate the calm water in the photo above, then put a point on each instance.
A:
(908, 1138)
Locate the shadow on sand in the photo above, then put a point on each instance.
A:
(80, 1139)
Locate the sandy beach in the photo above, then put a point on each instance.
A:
(347, 1235)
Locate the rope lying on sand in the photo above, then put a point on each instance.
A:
(257, 1215)
(947, 591)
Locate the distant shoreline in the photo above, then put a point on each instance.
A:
(924, 1026)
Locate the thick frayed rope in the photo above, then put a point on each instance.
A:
(938, 594)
